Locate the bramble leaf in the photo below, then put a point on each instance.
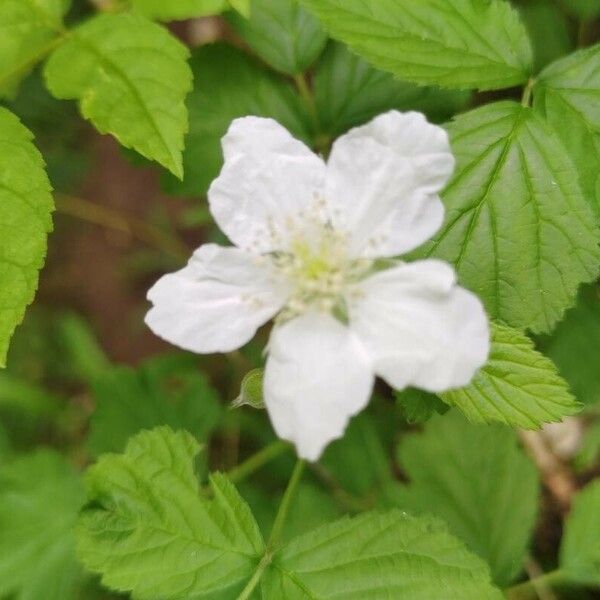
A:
(575, 346)
(477, 479)
(131, 79)
(376, 556)
(229, 84)
(148, 529)
(40, 496)
(567, 93)
(580, 547)
(517, 228)
(518, 386)
(30, 29)
(350, 92)
(462, 44)
(26, 207)
(282, 33)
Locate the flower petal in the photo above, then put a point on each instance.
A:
(217, 302)
(268, 178)
(317, 377)
(420, 327)
(382, 183)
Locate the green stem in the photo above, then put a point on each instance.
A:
(285, 505)
(322, 141)
(529, 589)
(257, 461)
(282, 513)
(527, 92)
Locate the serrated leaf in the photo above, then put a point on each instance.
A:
(30, 29)
(179, 10)
(26, 207)
(477, 479)
(282, 33)
(463, 44)
(580, 547)
(518, 386)
(131, 79)
(228, 84)
(567, 93)
(40, 496)
(575, 346)
(349, 92)
(148, 530)
(378, 556)
(129, 400)
(517, 228)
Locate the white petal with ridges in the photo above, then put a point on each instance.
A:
(217, 302)
(318, 375)
(383, 181)
(267, 180)
(420, 328)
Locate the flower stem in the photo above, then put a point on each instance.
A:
(533, 589)
(322, 140)
(526, 98)
(277, 530)
(285, 505)
(257, 461)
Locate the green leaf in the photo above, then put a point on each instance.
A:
(517, 229)
(359, 461)
(580, 547)
(575, 346)
(589, 452)
(251, 390)
(244, 7)
(477, 479)
(148, 530)
(378, 556)
(129, 400)
(40, 496)
(462, 44)
(30, 29)
(131, 79)
(584, 9)
(349, 92)
(282, 33)
(26, 207)
(518, 386)
(419, 406)
(229, 84)
(567, 93)
(179, 10)
(548, 29)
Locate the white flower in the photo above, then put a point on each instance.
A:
(313, 245)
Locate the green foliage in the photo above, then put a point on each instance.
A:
(580, 548)
(584, 9)
(518, 228)
(589, 452)
(419, 406)
(479, 482)
(181, 9)
(462, 44)
(26, 207)
(40, 496)
(518, 386)
(228, 84)
(148, 529)
(349, 92)
(575, 346)
(548, 29)
(30, 29)
(131, 79)
(158, 393)
(567, 93)
(282, 33)
(251, 390)
(377, 556)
